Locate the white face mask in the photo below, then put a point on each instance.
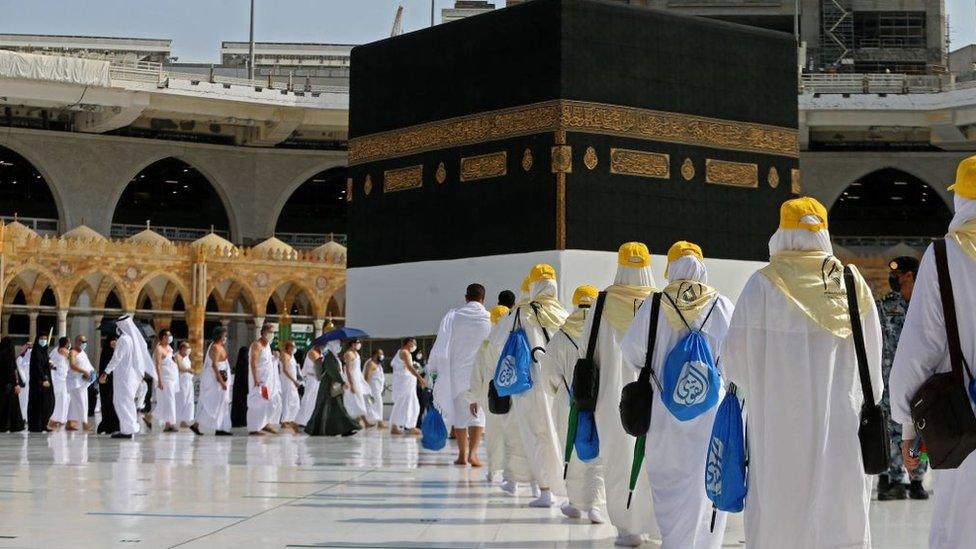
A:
(169, 339)
(358, 346)
(413, 348)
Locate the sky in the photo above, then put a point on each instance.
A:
(198, 26)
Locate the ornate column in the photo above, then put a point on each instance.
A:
(97, 343)
(258, 323)
(196, 311)
(5, 329)
(318, 324)
(32, 315)
(63, 324)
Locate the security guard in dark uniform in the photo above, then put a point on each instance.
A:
(891, 310)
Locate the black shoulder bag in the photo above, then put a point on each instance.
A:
(586, 374)
(873, 428)
(500, 405)
(636, 398)
(941, 409)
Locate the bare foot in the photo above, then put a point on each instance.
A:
(415, 432)
(381, 425)
(474, 462)
(396, 431)
(461, 462)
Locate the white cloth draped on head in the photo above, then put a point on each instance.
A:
(634, 276)
(965, 210)
(142, 361)
(687, 267)
(801, 240)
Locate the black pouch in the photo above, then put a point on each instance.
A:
(586, 373)
(636, 398)
(941, 408)
(873, 430)
(498, 405)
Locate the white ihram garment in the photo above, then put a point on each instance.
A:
(461, 333)
(677, 450)
(481, 375)
(374, 405)
(23, 368)
(290, 402)
(355, 403)
(274, 391)
(406, 406)
(213, 408)
(184, 399)
(59, 381)
(807, 487)
(922, 352)
(165, 409)
(258, 407)
(78, 389)
(311, 380)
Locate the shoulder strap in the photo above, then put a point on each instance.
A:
(949, 312)
(648, 368)
(570, 338)
(595, 327)
(862, 355)
(675, 307)
(535, 309)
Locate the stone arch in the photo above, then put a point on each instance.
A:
(289, 190)
(333, 309)
(298, 289)
(237, 290)
(53, 185)
(144, 285)
(34, 293)
(82, 287)
(216, 185)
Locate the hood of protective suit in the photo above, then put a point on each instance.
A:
(575, 321)
(630, 288)
(549, 312)
(688, 290)
(962, 229)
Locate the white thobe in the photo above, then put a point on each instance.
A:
(126, 378)
(807, 487)
(922, 352)
(531, 411)
(406, 405)
(584, 480)
(459, 337)
(676, 450)
(616, 445)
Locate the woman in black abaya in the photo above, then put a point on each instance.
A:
(10, 386)
(238, 404)
(110, 421)
(40, 402)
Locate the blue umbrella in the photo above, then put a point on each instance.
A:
(340, 334)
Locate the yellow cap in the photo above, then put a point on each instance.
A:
(792, 211)
(585, 295)
(682, 248)
(497, 312)
(965, 185)
(634, 254)
(525, 283)
(542, 271)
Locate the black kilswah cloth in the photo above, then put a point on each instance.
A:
(40, 402)
(11, 419)
(238, 405)
(110, 420)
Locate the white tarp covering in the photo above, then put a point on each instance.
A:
(67, 70)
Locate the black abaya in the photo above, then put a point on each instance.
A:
(40, 401)
(110, 421)
(11, 419)
(238, 405)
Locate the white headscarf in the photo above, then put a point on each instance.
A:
(801, 240)
(687, 267)
(965, 210)
(140, 352)
(634, 276)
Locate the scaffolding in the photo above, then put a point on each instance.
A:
(837, 30)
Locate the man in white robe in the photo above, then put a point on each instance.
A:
(923, 351)
(452, 357)
(584, 480)
(677, 450)
(259, 403)
(406, 405)
(531, 411)
(631, 286)
(130, 363)
(789, 348)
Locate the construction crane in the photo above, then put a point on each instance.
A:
(397, 23)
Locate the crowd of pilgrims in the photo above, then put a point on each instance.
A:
(786, 344)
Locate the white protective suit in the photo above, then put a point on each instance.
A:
(130, 363)
(459, 337)
(676, 450)
(584, 481)
(531, 411)
(923, 351)
(213, 408)
(616, 446)
(799, 381)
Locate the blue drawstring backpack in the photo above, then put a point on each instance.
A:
(512, 374)
(434, 432)
(587, 442)
(728, 457)
(690, 379)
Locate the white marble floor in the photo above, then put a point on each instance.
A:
(371, 490)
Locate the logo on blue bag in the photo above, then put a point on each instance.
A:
(713, 469)
(507, 376)
(692, 386)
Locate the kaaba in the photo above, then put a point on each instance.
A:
(555, 130)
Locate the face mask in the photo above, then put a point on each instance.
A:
(380, 358)
(169, 339)
(413, 348)
(42, 343)
(894, 283)
(186, 352)
(420, 356)
(83, 346)
(358, 346)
